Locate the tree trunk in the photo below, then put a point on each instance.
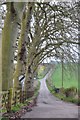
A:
(29, 82)
(21, 57)
(0, 62)
(22, 48)
(9, 35)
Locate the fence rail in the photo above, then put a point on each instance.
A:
(7, 99)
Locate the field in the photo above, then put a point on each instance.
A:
(70, 76)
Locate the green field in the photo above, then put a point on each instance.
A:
(70, 76)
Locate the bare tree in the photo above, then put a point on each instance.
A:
(54, 32)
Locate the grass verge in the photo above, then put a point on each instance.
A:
(62, 96)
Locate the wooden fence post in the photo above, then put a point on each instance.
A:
(24, 98)
(9, 100)
(15, 99)
(20, 96)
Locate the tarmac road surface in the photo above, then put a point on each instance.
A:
(48, 106)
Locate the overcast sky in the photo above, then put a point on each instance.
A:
(39, 0)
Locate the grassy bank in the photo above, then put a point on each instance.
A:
(43, 70)
(69, 92)
(62, 96)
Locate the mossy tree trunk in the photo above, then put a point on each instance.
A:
(21, 57)
(30, 70)
(22, 47)
(8, 37)
(0, 62)
(31, 63)
(29, 80)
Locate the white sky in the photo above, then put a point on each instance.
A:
(39, 0)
